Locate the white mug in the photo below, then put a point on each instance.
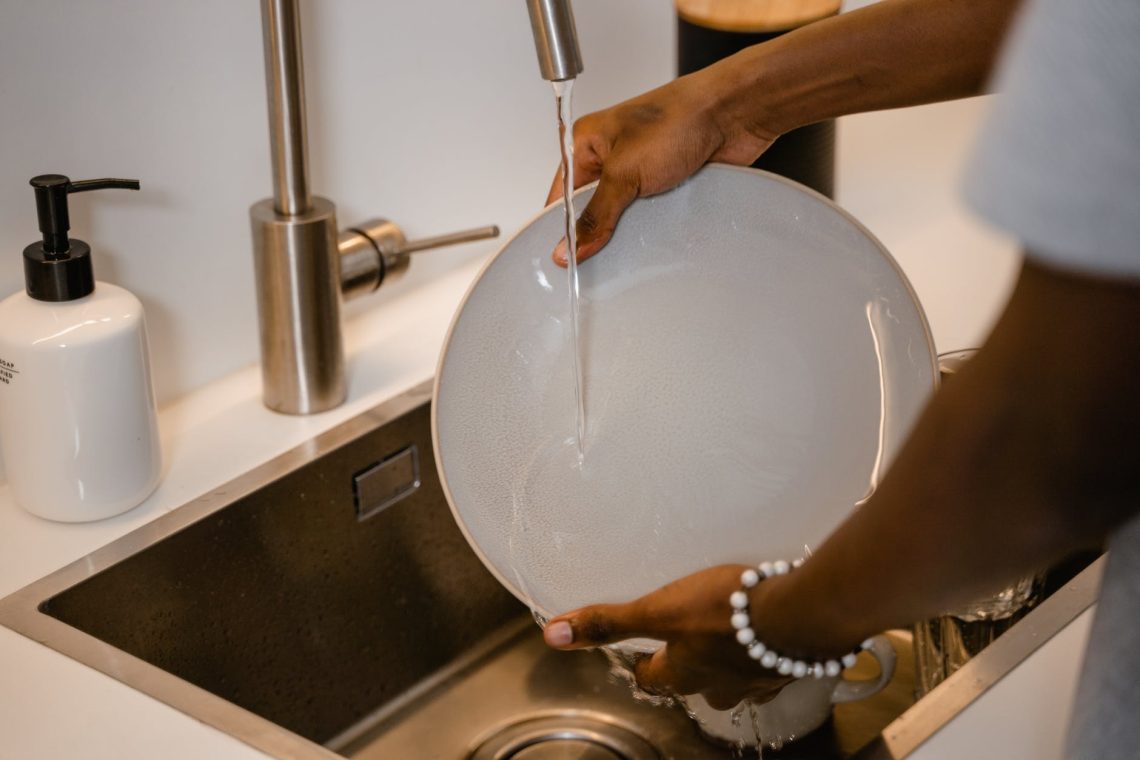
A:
(800, 708)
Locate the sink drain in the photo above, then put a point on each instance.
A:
(565, 737)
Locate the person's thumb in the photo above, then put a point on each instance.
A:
(596, 224)
(595, 626)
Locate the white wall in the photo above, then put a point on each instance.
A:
(429, 113)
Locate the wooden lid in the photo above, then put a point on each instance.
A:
(755, 15)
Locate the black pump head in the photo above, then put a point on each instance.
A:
(59, 268)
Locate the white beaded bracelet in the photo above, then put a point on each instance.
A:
(742, 623)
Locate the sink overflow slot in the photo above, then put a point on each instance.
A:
(384, 483)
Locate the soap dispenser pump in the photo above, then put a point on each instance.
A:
(78, 423)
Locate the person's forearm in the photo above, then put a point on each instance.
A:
(1027, 455)
(892, 54)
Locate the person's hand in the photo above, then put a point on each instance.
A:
(701, 653)
(650, 144)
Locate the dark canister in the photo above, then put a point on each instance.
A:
(709, 30)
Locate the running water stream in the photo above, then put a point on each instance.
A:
(562, 94)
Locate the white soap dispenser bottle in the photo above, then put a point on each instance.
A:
(78, 425)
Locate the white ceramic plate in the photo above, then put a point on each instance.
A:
(753, 358)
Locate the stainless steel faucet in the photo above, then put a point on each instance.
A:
(555, 39)
(303, 267)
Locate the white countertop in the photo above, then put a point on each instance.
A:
(52, 707)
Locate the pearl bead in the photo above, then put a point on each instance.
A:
(738, 600)
(767, 570)
(749, 578)
(745, 636)
(769, 659)
(832, 668)
(781, 567)
(817, 670)
(740, 620)
(784, 666)
(798, 563)
(799, 669)
(867, 644)
(756, 650)
(848, 660)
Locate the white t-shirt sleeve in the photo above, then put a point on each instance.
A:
(1058, 160)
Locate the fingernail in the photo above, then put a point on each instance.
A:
(558, 634)
(560, 253)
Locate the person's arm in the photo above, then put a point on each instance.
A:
(892, 54)
(1029, 454)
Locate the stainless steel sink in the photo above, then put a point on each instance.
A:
(326, 605)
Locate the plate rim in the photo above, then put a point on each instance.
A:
(713, 166)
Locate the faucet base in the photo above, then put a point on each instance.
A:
(298, 302)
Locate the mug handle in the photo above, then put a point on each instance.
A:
(848, 691)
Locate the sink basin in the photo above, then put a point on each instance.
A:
(326, 605)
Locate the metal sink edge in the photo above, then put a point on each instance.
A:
(20, 612)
